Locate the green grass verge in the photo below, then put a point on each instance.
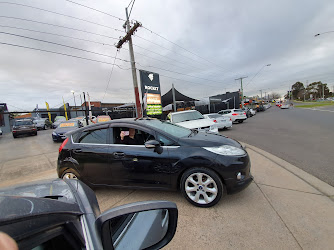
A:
(313, 105)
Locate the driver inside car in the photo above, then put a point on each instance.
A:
(129, 138)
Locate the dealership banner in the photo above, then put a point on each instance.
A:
(151, 94)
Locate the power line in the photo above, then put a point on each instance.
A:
(57, 13)
(95, 10)
(55, 25)
(59, 44)
(178, 73)
(112, 69)
(131, 8)
(53, 52)
(92, 42)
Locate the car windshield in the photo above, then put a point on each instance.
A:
(187, 116)
(20, 123)
(60, 118)
(68, 124)
(168, 127)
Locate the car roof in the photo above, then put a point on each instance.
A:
(185, 111)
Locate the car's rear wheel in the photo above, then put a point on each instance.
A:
(44, 127)
(241, 121)
(202, 187)
(70, 174)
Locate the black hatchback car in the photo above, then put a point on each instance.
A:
(149, 153)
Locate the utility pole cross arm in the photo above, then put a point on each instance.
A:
(128, 35)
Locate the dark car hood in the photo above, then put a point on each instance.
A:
(64, 130)
(208, 139)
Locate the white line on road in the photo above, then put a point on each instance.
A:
(320, 109)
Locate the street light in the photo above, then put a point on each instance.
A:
(75, 104)
(323, 33)
(267, 65)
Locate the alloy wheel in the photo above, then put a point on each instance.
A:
(201, 188)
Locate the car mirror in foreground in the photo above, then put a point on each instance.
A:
(141, 225)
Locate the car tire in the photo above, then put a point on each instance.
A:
(70, 174)
(198, 193)
(14, 136)
(44, 127)
(241, 121)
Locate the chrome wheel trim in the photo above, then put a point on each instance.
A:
(201, 188)
(70, 176)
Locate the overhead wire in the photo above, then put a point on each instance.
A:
(164, 39)
(53, 52)
(57, 13)
(59, 44)
(95, 10)
(59, 26)
(112, 69)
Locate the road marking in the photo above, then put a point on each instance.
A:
(320, 109)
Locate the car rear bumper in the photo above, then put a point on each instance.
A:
(58, 138)
(24, 132)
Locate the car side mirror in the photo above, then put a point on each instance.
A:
(141, 225)
(154, 144)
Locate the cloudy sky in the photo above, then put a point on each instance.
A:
(200, 46)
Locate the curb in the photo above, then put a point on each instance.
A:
(322, 187)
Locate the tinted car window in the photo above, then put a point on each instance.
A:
(20, 123)
(140, 137)
(98, 136)
(165, 141)
(168, 127)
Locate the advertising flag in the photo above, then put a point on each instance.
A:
(48, 109)
(65, 110)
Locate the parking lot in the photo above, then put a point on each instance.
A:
(279, 210)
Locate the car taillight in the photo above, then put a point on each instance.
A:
(230, 119)
(234, 114)
(214, 120)
(244, 113)
(63, 145)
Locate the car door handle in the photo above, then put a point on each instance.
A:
(118, 154)
(77, 150)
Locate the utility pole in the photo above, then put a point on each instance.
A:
(127, 37)
(242, 90)
(323, 91)
(265, 95)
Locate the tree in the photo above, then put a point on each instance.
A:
(296, 89)
(275, 95)
(316, 89)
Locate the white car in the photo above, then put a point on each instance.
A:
(221, 121)
(285, 106)
(0, 131)
(237, 115)
(82, 119)
(192, 119)
(253, 112)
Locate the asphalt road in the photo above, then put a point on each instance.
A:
(302, 137)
